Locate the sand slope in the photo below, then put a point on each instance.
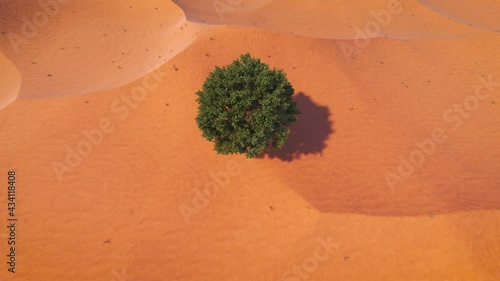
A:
(138, 37)
(81, 47)
(405, 19)
(11, 83)
(472, 13)
(116, 213)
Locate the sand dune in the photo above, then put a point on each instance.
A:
(87, 46)
(138, 37)
(482, 14)
(338, 19)
(114, 212)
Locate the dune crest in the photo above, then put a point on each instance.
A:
(400, 19)
(480, 13)
(122, 41)
(79, 47)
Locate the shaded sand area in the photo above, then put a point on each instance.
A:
(109, 182)
(337, 19)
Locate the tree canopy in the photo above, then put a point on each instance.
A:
(246, 107)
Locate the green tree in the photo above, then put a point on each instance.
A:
(246, 107)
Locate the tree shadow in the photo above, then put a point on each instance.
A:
(308, 134)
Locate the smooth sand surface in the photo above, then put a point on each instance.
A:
(86, 46)
(11, 81)
(338, 19)
(482, 13)
(364, 111)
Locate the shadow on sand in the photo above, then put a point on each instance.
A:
(308, 134)
(344, 190)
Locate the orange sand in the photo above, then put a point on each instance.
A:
(94, 45)
(117, 212)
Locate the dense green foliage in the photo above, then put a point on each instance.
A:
(246, 107)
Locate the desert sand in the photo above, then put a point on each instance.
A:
(94, 45)
(110, 162)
